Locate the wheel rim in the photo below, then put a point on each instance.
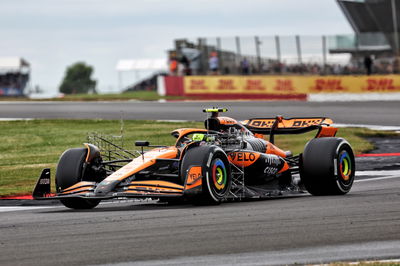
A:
(219, 176)
(345, 165)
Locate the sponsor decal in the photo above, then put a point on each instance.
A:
(44, 181)
(270, 170)
(284, 85)
(254, 85)
(227, 121)
(226, 84)
(306, 123)
(273, 160)
(267, 123)
(273, 164)
(380, 85)
(262, 123)
(197, 84)
(243, 158)
(328, 85)
(194, 174)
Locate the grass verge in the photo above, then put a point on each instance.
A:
(26, 147)
(133, 95)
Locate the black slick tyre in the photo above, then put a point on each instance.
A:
(215, 171)
(327, 166)
(69, 172)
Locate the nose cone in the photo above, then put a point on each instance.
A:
(105, 187)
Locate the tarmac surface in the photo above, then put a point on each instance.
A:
(365, 224)
(369, 113)
(362, 225)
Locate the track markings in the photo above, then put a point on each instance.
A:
(24, 208)
(379, 154)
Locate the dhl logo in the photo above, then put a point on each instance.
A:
(197, 85)
(328, 85)
(226, 84)
(381, 85)
(292, 123)
(284, 85)
(306, 123)
(262, 123)
(254, 85)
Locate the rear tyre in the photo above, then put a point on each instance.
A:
(216, 173)
(327, 166)
(70, 170)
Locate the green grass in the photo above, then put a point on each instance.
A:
(26, 147)
(133, 95)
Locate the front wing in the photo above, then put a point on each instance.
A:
(85, 189)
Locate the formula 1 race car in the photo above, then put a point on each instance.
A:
(228, 160)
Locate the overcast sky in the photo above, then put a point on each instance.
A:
(52, 35)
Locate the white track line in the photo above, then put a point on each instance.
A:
(24, 208)
(376, 179)
(352, 97)
(384, 174)
(373, 127)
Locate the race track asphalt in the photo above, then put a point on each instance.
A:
(367, 113)
(365, 224)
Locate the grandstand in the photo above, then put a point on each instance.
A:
(376, 25)
(14, 76)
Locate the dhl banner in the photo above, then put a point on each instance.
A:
(281, 85)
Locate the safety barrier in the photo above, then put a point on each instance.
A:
(277, 87)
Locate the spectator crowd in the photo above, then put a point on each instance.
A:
(181, 66)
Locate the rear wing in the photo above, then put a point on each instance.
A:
(280, 125)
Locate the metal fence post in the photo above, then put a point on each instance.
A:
(238, 52)
(278, 51)
(298, 45)
(395, 30)
(257, 41)
(203, 56)
(220, 56)
(323, 54)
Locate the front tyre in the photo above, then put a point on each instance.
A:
(218, 179)
(70, 170)
(327, 166)
(215, 172)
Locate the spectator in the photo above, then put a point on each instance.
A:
(368, 64)
(173, 66)
(186, 66)
(213, 63)
(245, 66)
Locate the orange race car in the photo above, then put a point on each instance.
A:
(227, 160)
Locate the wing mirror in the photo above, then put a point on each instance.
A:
(142, 143)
